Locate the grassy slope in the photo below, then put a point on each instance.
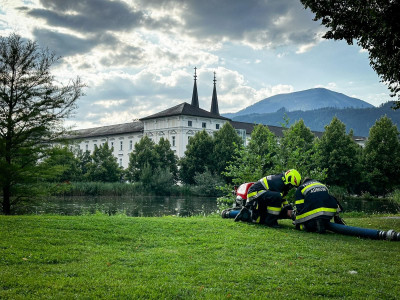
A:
(182, 258)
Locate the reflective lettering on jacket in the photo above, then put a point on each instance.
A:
(313, 187)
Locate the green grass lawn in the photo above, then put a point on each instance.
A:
(119, 257)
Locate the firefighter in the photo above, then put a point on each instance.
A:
(314, 206)
(266, 201)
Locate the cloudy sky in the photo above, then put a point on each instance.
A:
(137, 57)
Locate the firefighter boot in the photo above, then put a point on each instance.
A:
(271, 221)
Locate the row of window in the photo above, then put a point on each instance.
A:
(121, 144)
(173, 141)
(203, 125)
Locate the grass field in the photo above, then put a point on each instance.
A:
(119, 257)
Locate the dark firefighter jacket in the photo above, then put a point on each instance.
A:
(312, 200)
(270, 187)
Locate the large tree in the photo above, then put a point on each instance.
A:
(258, 159)
(382, 157)
(340, 155)
(198, 157)
(299, 151)
(226, 140)
(32, 107)
(143, 156)
(61, 165)
(374, 24)
(167, 159)
(264, 145)
(104, 166)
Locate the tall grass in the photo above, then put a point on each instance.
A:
(108, 189)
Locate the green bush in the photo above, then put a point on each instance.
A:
(339, 192)
(207, 183)
(158, 181)
(395, 197)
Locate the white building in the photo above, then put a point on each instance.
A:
(176, 124)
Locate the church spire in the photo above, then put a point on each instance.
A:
(214, 101)
(195, 97)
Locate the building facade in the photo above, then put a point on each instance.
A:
(176, 124)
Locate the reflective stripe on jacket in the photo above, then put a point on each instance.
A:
(272, 183)
(312, 200)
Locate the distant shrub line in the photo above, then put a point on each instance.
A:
(111, 189)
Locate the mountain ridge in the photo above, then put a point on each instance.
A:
(302, 100)
(360, 120)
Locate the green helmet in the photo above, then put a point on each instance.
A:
(292, 177)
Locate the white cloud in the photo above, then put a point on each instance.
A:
(109, 103)
(142, 62)
(304, 48)
(329, 86)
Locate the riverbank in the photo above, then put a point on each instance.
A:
(114, 257)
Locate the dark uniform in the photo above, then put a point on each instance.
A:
(265, 199)
(314, 207)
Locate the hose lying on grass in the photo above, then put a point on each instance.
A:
(374, 234)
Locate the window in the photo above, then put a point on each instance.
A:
(112, 144)
(216, 126)
(204, 125)
(173, 141)
(120, 162)
(189, 123)
(130, 145)
(121, 145)
(87, 147)
(95, 146)
(242, 134)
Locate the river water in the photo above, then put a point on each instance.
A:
(143, 206)
(148, 206)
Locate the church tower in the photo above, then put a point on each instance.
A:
(195, 97)
(214, 102)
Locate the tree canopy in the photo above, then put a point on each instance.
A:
(374, 24)
(299, 151)
(61, 165)
(198, 156)
(103, 166)
(339, 154)
(32, 107)
(226, 140)
(382, 157)
(143, 155)
(263, 146)
(167, 159)
(153, 165)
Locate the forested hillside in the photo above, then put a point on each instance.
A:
(358, 119)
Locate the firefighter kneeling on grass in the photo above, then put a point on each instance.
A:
(266, 201)
(314, 206)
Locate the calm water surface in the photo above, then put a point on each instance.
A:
(147, 206)
(144, 206)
